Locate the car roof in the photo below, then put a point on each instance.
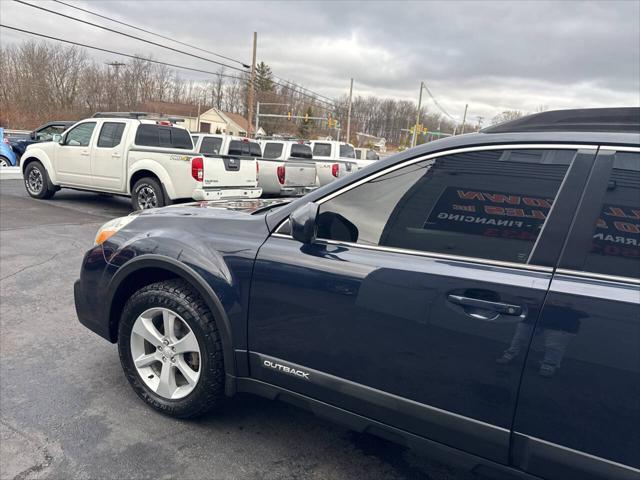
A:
(621, 119)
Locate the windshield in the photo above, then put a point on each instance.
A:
(272, 150)
(301, 150)
(322, 150)
(347, 151)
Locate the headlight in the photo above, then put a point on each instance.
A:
(110, 228)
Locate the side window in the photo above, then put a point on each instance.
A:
(371, 155)
(322, 150)
(272, 150)
(485, 204)
(151, 135)
(615, 245)
(211, 145)
(110, 134)
(80, 136)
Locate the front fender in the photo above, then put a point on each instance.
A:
(155, 168)
(43, 157)
(196, 280)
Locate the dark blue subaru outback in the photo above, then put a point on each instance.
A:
(478, 296)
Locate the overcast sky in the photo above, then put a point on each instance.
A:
(492, 55)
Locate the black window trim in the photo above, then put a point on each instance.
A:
(444, 256)
(563, 268)
(121, 136)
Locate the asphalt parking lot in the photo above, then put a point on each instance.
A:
(68, 412)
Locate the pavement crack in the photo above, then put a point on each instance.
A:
(28, 267)
(38, 467)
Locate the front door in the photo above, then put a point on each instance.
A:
(73, 156)
(405, 307)
(109, 157)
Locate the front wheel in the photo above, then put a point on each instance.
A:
(147, 193)
(170, 349)
(4, 161)
(37, 181)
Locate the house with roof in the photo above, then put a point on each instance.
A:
(195, 118)
(199, 120)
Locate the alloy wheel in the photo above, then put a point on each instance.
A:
(34, 181)
(165, 353)
(147, 197)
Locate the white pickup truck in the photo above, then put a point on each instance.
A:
(286, 168)
(153, 162)
(333, 160)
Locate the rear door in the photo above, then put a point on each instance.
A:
(421, 274)
(108, 161)
(73, 157)
(579, 409)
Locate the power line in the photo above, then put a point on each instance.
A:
(137, 57)
(129, 36)
(437, 104)
(155, 44)
(152, 33)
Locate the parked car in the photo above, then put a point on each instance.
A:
(333, 160)
(477, 296)
(8, 157)
(44, 133)
(287, 168)
(152, 161)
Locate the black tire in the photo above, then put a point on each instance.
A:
(36, 181)
(147, 193)
(4, 161)
(179, 297)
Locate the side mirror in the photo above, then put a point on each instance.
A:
(32, 135)
(303, 223)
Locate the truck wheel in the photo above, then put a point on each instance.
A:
(37, 181)
(170, 349)
(147, 193)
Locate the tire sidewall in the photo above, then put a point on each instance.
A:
(160, 299)
(5, 160)
(151, 183)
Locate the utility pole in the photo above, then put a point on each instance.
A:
(116, 66)
(349, 112)
(464, 118)
(257, 117)
(415, 127)
(480, 118)
(252, 83)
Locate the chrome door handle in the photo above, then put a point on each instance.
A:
(85, 153)
(499, 307)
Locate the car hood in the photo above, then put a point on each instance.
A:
(218, 208)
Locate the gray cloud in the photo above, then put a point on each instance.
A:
(492, 55)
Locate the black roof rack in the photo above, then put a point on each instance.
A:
(622, 119)
(135, 115)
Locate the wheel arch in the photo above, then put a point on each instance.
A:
(148, 168)
(44, 160)
(148, 269)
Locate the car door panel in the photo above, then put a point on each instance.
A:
(387, 343)
(108, 162)
(416, 303)
(73, 159)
